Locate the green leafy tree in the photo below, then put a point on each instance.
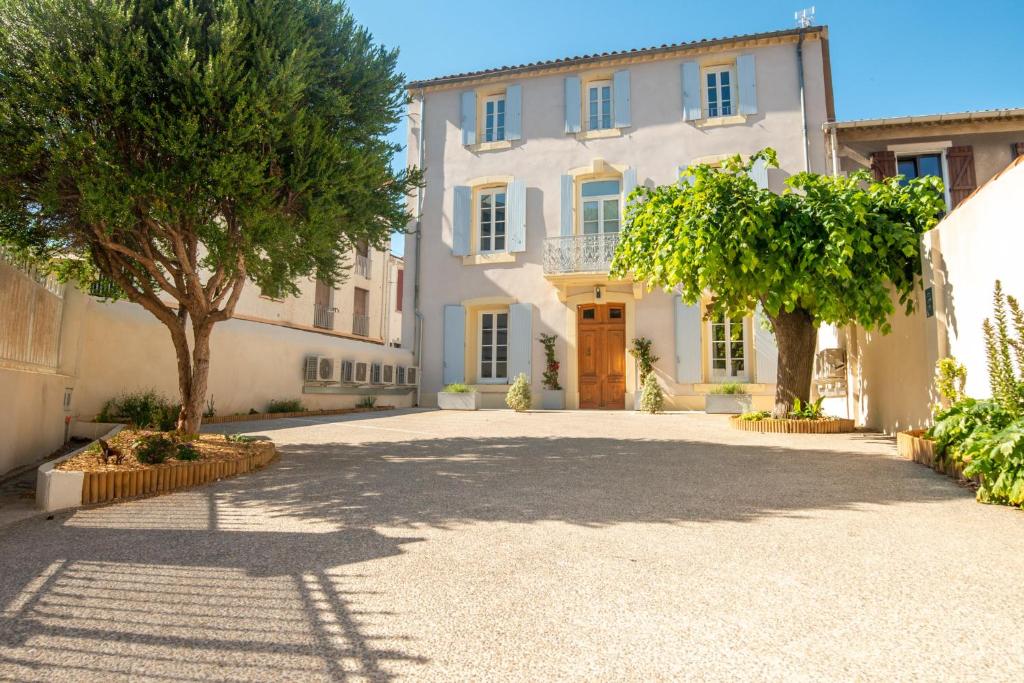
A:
(827, 250)
(183, 148)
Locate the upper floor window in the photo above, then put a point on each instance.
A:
(919, 166)
(494, 118)
(599, 105)
(720, 82)
(599, 201)
(492, 219)
(728, 349)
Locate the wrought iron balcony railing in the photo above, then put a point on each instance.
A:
(323, 316)
(363, 265)
(580, 253)
(361, 325)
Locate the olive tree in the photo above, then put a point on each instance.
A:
(182, 149)
(834, 250)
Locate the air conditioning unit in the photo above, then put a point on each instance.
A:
(362, 370)
(347, 372)
(387, 374)
(412, 376)
(399, 375)
(322, 369)
(375, 373)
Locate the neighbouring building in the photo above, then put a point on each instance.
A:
(527, 170)
(64, 352)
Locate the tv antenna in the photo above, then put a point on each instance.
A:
(804, 17)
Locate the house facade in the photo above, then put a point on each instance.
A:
(527, 170)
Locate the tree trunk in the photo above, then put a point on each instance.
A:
(797, 338)
(193, 379)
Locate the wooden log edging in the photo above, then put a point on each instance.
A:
(834, 425)
(913, 446)
(244, 417)
(104, 487)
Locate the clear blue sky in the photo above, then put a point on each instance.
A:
(888, 58)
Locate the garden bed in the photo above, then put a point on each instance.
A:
(218, 419)
(913, 446)
(824, 425)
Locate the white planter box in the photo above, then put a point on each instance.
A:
(727, 404)
(447, 400)
(552, 399)
(57, 489)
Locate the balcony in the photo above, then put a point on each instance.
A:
(361, 325)
(579, 253)
(323, 316)
(363, 265)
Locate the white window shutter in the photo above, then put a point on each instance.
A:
(746, 74)
(566, 213)
(462, 219)
(516, 215)
(520, 340)
(468, 117)
(688, 355)
(620, 90)
(765, 351)
(628, 182)
(691, 91)
(573, 104)
(759, 173)
(514, 112)
(454, 369)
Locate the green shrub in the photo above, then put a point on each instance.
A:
(187, 452)
(239, 438)
(285, 405)
(367, 402)
(652, 399)
(806, 411)
(997, 458)
(644, 355)
(756, 415)
(141, 410)
(457, 389)
(955, 425)
(518, 397)
(950, 378)
(1002, 348)
(211, 409)
(153, 449)
(729, 388)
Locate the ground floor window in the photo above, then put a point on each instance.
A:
(728, 350)
(493, 346)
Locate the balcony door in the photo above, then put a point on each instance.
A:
(601, 335)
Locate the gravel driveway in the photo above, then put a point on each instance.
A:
(543, 546)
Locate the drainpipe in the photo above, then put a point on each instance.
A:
(417, 343)
(803, 103)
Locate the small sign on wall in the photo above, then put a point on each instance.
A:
(929, 303)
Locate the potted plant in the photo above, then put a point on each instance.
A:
(458, 397)
(518, 397)
(645, 360)
(730, 398)
(552, 395)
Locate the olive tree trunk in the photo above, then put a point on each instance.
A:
(796, 337)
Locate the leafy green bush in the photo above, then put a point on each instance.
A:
(652, 399)
(518, 397)
(142, 410)
(239, 438)
(997, 458)
(950, 378)
(285, 405)
(729, 388)
(187, 452)
(367, 402)
(756, 415)
(955, 425)
(806, 411)
(153, 449)
(457, 389)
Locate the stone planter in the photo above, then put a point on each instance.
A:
(726, 404)
(552, 399)
(449, 400)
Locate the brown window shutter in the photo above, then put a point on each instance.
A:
(1018, 149)
(962, 183)
(883, 164)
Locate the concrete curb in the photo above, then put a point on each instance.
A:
(59, 490)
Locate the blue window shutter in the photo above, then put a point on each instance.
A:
(454, 370)
(516, 215)
(567, 190)
(462, 219)
(514, 112)
(759, 172)
(746, 74)
(628, 182)
(687, 319)
(468, 118)
(620, 88)
(572, 104)
(520, 340)
(691, 91)
(765, 350)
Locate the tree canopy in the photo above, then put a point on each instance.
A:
(827, 250)
(185, 147)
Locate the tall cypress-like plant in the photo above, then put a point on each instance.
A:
(1006, 381)
(183, 149)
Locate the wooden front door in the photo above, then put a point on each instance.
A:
(601, 331)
